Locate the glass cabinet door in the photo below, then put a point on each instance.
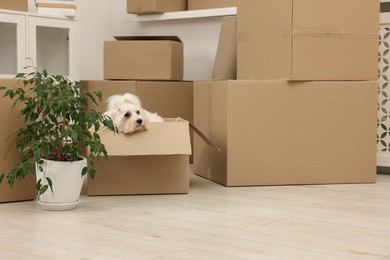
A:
(12, 44)
(53, 45)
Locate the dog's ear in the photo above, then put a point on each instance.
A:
(114, 101)
(131, 98)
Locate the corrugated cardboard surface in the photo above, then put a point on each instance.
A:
(277, 132)
(225, 65)
(155, 6)
(9, 156)
(307, 40)
(143, 59)
(209, 4)
(150, 162)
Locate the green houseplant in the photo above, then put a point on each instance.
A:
(59, 127)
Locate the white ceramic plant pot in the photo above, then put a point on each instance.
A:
(67, 183)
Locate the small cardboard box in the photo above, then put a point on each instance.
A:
(278, 132)
(144, 58)
(307, 40)
(155, 161)
(18, 5)
(210, 4)
(9, 156)
(155, 6)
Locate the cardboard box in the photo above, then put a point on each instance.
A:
(169, 99)
(155, 6)
(307, 40)
(18, 5)
(210, 4)
(144, 58)
(9, 156)
(155, 161)
(278, 132)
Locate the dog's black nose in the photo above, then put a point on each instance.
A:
(139, 121)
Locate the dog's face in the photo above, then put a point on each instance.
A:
(129, 118)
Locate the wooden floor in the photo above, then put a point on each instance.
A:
(211, 222)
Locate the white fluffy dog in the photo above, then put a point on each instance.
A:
(128, 115)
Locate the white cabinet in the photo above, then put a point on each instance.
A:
(12, 43)
(53, 46)
(51, 43)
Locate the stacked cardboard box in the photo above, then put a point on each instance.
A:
(210, 4)
(303, 110)
(155, 6)
(18, 5)
(155, 161)
(10, 123)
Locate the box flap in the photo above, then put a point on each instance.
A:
(167, 138)
(148, 38)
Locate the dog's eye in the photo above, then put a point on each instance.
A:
(137, 112)
(128, 114)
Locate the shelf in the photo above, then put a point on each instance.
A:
(182, 15)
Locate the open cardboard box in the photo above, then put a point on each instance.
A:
(143, 58)
(9, 157)
(155, 161)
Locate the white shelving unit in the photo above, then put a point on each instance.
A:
(193, 14)
(12, 44)
(50, 41)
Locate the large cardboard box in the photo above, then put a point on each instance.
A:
(277, 132)
(155, 6)
(144, 58)
(210, 4)
(307, 40)
(18, 5)
(169, 99)
(155, 161)
(9, 156)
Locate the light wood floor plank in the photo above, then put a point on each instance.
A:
(336, 222)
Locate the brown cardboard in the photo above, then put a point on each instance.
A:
(169, 99)
(9, 156)
(202, 121)
(210, 4)
(155, 6)
(277, 132)
(307, 40)
(17, 5)
(144, 58)
(225, 65)
(150, 162)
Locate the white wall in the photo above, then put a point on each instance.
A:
(101, 20)
(94, 27)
